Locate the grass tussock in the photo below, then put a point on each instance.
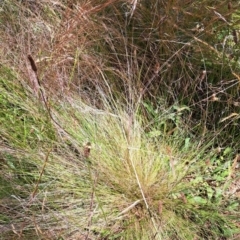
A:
(105, 177)
(114, 122)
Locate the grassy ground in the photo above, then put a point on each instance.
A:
(103, 136)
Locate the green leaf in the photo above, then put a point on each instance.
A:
(197, 180)
(210, 192)
(197, 200)
(233, 206)
(227, 151)
(218, 194)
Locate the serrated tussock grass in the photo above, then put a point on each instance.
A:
(129, 185)
(115, 129)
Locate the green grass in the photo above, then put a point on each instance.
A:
(134, 184)
(98, 143)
